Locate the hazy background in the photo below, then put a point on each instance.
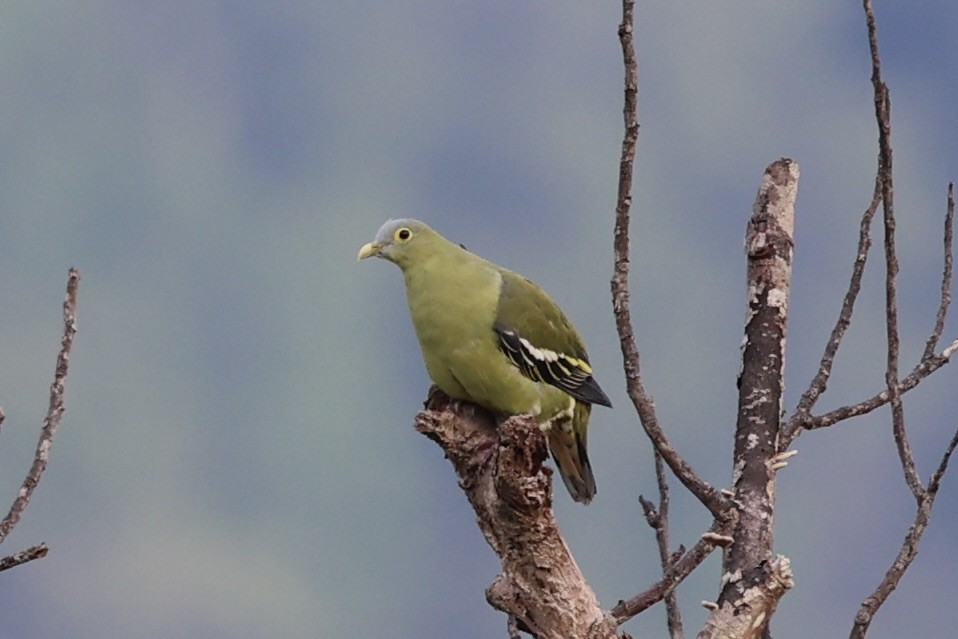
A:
(238, 459)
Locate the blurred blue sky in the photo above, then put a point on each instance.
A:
(238, 459)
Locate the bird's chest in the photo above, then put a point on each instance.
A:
(452, 311)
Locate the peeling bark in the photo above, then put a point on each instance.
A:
(500, 468)
(768, 244)
(746, 615)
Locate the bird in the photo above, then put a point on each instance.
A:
(492, 337)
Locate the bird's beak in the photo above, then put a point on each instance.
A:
(369, 250)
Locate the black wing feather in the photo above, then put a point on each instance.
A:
(560, 370)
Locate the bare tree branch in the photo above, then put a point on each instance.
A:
(769, 243)
(930, 361)
(644, 406)
(924, 497)
(945, 302)
(54, 412)
(22, 557)
(747, 615)
(500, 468)
(717, 536)
(909, 548)
(819, 383)
(658, 519)
(920, 372)
(886, 177)
(934, 482)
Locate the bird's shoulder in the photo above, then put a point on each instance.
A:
(537, 337)
(525, 309)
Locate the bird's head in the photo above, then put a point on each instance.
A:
(400, 241)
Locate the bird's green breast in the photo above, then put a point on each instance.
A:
(453, 297)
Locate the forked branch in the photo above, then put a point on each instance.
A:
(924, 495)
(801, 419)
(930, 362)
(658, 518)
(500, 469)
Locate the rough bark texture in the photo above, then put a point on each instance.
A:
(47, 433)
(757, 593)
(768, 244)
(500, 468)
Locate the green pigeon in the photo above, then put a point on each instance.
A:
(493, 337)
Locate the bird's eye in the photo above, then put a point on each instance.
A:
(403, 234)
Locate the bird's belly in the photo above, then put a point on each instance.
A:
(471, 373)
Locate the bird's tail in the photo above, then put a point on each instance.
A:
(567, 442)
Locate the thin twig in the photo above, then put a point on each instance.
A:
(644, 405)
(934, 482)
(886, 176)
(819, 383)
(930, 361)
(658, 520)
(22, 557)
(909, 547)
(54, 412)
(681, 568)
(924, 497)
(672, 611)
(920, 372)
(945, 302)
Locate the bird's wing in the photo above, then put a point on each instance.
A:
(541, 342)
